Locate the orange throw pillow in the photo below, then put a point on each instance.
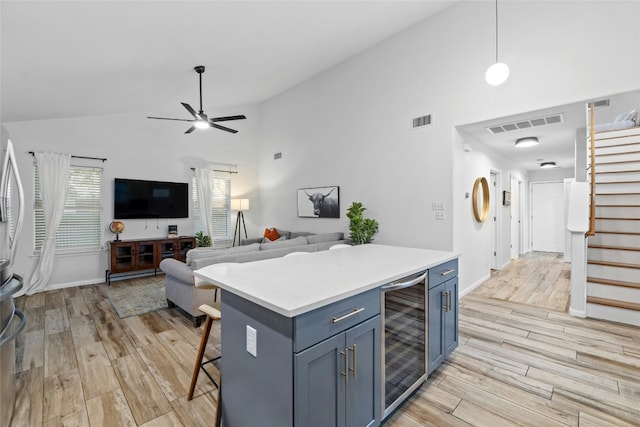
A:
(271, 234)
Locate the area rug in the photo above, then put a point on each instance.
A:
(136, 299)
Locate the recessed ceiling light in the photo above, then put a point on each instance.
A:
(528, 141)
(547, 165)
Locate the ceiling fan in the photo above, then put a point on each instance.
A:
(200, 119)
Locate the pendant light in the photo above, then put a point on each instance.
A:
(498, 72)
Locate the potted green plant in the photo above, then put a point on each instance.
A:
(202, 240)
(361, 229)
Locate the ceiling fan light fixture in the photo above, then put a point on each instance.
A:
(548, 165)
(202, 124)
(528, 141)
(200, 120)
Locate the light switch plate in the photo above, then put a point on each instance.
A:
(252, 341)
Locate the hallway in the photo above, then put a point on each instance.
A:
(540, 279)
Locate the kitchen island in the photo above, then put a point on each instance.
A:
(301, 336)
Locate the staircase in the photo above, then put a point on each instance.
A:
(613, 253)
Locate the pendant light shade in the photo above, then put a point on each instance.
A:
(498, 73)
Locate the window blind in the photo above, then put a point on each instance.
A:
(81, 223)
(220, 208)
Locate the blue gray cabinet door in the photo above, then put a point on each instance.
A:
(450, 321)
(319, 387)
(337, 381)
(363, 388)
(443, 322)
(436, 344)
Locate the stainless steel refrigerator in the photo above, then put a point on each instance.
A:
(12, 320)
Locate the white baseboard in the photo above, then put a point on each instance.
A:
(577, 313)
(72, 284)
(475, 285)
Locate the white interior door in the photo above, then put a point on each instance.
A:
(547, 216)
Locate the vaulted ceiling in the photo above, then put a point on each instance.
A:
(80, 58)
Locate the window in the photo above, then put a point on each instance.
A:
(220, 208)
(81, 223)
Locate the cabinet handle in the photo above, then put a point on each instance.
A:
(345, 353)
(408, 283)
(444, 301)
(346, 316)
(355, 358)
(451, 270)
(448, 300)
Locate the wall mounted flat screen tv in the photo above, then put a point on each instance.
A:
(138, 199)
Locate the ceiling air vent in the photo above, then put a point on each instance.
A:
(525, 124)
(418, 122)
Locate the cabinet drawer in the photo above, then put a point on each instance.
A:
(317, 325)
(443, 272)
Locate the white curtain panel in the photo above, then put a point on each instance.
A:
(204, 178)
(53, 171)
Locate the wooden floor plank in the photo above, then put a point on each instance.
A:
(59, 354)
(172, 378)
(96, 372)
(56, 320)
(29, 397)
(479, 416)
(200, 411)
(83, 330)
(143, 394)
(64, 403)
(110, 410)
(495, 404)
(167, 420)
(514, 391)
(612, 399)
(30, 350)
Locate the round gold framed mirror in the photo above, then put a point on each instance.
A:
(481, 204)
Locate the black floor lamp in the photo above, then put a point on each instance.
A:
(239, 205)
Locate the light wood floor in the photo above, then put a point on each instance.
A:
(79, 364)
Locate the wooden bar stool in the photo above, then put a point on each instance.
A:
(212, 311)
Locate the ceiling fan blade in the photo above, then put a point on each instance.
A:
(226, 119)
(165, 118)
(223, 128)
(191, 110)
(191, 129)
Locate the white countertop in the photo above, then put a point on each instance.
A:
(297, 284)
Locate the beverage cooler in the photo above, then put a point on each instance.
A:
(12, 320)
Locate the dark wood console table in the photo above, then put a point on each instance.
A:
(135, 256)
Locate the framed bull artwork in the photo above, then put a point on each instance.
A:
(319, 202)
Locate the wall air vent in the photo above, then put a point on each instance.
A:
(525, 124)
(418, 122)
(601, 103)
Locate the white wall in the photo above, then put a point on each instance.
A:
(555, 174)
(473, 239)
(136, 148)
(349, 126)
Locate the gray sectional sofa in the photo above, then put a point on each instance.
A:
(180, 288)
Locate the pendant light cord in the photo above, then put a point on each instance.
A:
(496, 31)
